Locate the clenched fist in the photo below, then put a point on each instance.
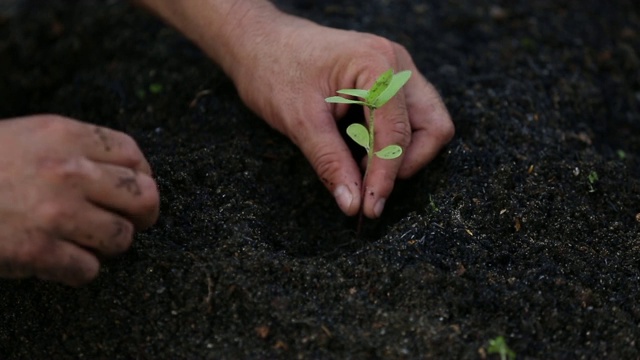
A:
(70, 192)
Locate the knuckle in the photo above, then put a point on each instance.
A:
(372, 53)
(68, 170)
(50, 121)
(53, 214)
(55, 125)
(401, 130)
(380, 45)
(401, 51)
(37, 251)
(444, 131)
(401, 127)
(326, 163)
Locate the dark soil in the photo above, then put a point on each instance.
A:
(503, 234)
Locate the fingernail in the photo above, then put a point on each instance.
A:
(343, 197)
(377, 209)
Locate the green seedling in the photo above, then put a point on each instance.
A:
(499, 346)
(385, 87)
(434, 207)
(593, 178)
(155, 88)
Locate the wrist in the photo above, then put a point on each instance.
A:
(227, 31)
(237, 41)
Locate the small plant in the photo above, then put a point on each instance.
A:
(621, 154)
(499, 346)
(385, 87)
(434, 207)
(155, 88)
(593, 179)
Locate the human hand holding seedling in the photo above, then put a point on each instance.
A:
(385, 87)
(289, 91)
(284, 67)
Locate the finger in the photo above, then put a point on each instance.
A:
(67, 264)
(87, 225)
(330, 157)
(431, 125)
(132, 194)
(50, 258)
(391, 127)
(98, 143)
(116, 148)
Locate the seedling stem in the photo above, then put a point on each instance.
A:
(386, 86)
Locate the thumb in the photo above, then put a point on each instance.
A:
(319, 140)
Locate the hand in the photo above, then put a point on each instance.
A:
(285, 76)
(69, 193)
(284, 67)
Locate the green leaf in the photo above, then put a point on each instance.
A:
(397, 81)
(155, 88)
(390, 152)
(341, 100)
(499, 346)
(359, 134)
(354, 92)
(379, 86)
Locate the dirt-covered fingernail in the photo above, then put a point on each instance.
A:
(344, 197)
(378, 207)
